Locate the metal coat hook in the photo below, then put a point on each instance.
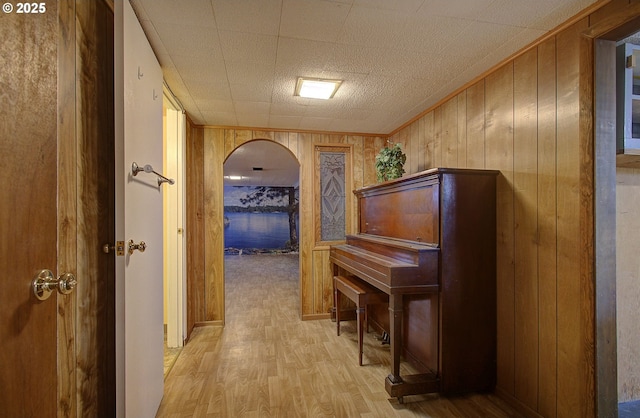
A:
(135, 169)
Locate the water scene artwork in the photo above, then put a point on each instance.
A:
(260, 219)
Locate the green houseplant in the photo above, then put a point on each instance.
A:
(390, 162)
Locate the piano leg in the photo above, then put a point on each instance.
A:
(395, 325)
(336, 305)
(395, 385)
(360, 314)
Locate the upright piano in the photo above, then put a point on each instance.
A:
(428, 240)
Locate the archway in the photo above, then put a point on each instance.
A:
(261, 201)
(261, 183)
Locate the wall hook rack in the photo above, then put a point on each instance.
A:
(135, 169)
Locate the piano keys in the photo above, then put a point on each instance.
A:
(428, 240)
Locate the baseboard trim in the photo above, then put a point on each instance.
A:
(217, 323)
(313, 317)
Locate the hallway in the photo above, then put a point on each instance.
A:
(267, 362)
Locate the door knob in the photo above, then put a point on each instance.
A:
(45, 283)
(140, 247)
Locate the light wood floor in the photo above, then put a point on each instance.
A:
(266, 362)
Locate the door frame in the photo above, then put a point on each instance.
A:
(174, 218)
(622, 22)
(67, 199)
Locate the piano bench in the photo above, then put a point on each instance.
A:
(362, 294)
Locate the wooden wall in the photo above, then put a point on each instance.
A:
(95, 209)
(207, 150)
(532, 119)
(524, 119)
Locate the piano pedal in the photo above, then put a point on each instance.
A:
(384, 338)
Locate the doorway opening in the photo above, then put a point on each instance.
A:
(174, 244)
(261, 211)
(628, 223)
(617, 188)
(261, 195)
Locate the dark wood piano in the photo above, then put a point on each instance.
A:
(428, 240)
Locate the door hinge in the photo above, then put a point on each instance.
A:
(630, 62)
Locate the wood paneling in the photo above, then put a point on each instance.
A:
(430, 140)
(195, 226)
(525, 183)
(449, 133)
(370, 148)
(67, 205)
(547, 229)
(95, 210)
(611, 7)
(229, 142)
(437, 138)
(422, 145)
(462, 129)
(414, 150)
(586, 159)
(354, 181)
(294, 144)
(475, 126)
(307, 235)
(323, 282)
(570, 354)
(499, 156)
(282, 138)
(214, 142)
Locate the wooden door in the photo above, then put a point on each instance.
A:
(28, 211)
(57, 140)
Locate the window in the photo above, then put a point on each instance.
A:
(333, 193)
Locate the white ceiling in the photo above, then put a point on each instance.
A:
(276, 165)
(235, 62)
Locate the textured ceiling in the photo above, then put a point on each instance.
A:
(235, 62)
(262, 163)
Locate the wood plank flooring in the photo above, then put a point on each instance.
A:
(266, 362)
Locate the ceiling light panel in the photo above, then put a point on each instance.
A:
(315, 88)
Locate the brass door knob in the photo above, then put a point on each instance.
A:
(45, 283)
(140, 247)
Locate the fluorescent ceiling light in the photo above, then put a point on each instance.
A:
(233, 177)
(316, 88)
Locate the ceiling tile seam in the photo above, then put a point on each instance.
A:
(275, 63)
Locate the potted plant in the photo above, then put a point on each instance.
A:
(390, 162)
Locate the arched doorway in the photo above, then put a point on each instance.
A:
(261, 184)
(261, 222)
